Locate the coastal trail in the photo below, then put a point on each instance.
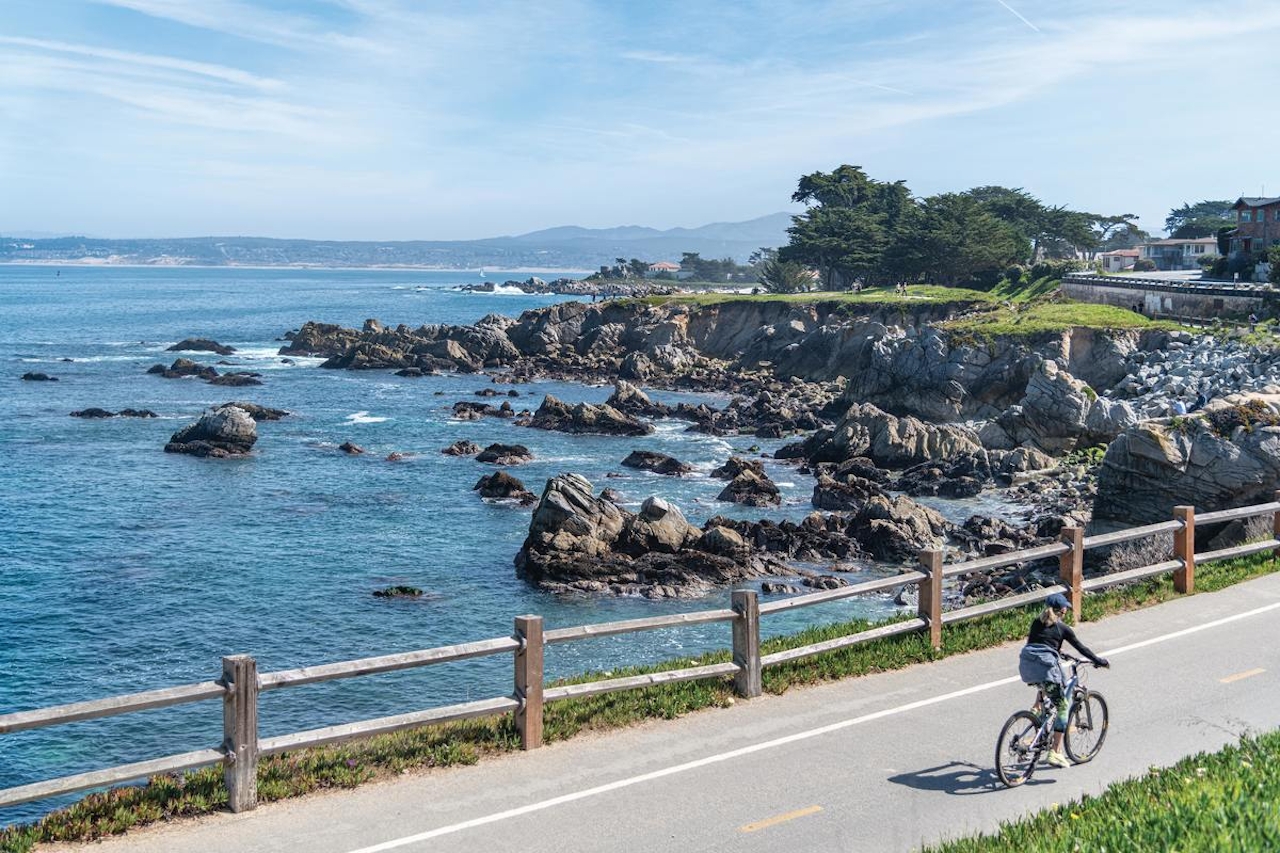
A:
(883, 762)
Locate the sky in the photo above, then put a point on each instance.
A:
(397, 120)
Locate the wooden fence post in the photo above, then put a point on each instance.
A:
(529, 681)
(1184, 548)
(1071, 568)
(929, 600)
(1275, 527)
(747, 681)
(240, 731)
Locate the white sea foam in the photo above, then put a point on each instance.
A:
(364, 418)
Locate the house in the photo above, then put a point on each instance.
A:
(1119, 260)
(661, 267)
(1179, 254)
(1257, 225)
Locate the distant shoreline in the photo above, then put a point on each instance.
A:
(311, 267)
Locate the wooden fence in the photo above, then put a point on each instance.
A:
(241, 683)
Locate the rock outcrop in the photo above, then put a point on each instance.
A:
(1226, 456)
(888, 441)
(222, 433)
(578, 542)
(586, 418)
(38, 377)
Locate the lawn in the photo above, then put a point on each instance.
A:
(1220, 801)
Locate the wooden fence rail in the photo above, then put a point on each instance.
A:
(240, 684)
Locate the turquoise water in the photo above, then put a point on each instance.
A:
(123, 568)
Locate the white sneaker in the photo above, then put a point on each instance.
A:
(1057, 759)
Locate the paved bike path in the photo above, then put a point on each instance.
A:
(879, 763)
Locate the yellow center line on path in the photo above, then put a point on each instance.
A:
(782, 818)
(1241, 676)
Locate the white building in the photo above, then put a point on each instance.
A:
(1178, 254)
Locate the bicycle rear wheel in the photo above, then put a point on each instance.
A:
(1018, 749)
(1087, 727)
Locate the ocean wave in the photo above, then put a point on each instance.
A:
(364, 418)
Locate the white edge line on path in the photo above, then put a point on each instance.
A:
(770, 744)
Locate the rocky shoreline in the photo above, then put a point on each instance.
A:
(882, 405)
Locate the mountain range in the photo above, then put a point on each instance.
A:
(566, 247)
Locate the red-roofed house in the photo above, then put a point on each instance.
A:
(1119, 260)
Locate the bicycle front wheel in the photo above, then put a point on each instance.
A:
(1087, 727)
(1018, 749)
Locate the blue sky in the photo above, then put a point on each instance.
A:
(378, 119)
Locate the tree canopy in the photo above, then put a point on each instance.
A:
(1202, 219)
(857, 228)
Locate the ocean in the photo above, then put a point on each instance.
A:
(123, 568)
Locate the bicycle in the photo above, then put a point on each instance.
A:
(1028, 734)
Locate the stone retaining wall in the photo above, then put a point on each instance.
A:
(1178, 299)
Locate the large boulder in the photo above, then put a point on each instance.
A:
(225, 432)
(751, 488)
(843, 491)
(897, 528)
(629, 399)
(556, 415)
(1224, 457)
(659, 527)
(502, 486)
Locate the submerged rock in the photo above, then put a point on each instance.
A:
(38, 377)
(462, 447)
(257, 412)
(658, 463)
(94, 412)
(398, 592)
(200, 345)
(237, 379)
(505, 454)
(183, 367)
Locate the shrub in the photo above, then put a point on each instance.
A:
(1248, 415)
(1144, 265)
(1207, 261)
(1056, 268)
(1273, 257)
(1014, 273)
(1219, 268)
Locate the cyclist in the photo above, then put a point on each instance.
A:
(1040, 665)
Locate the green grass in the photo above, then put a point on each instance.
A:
(1221, 801)
(1018, 291)
(1049, 318)
(294, 774)
(916, 294)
